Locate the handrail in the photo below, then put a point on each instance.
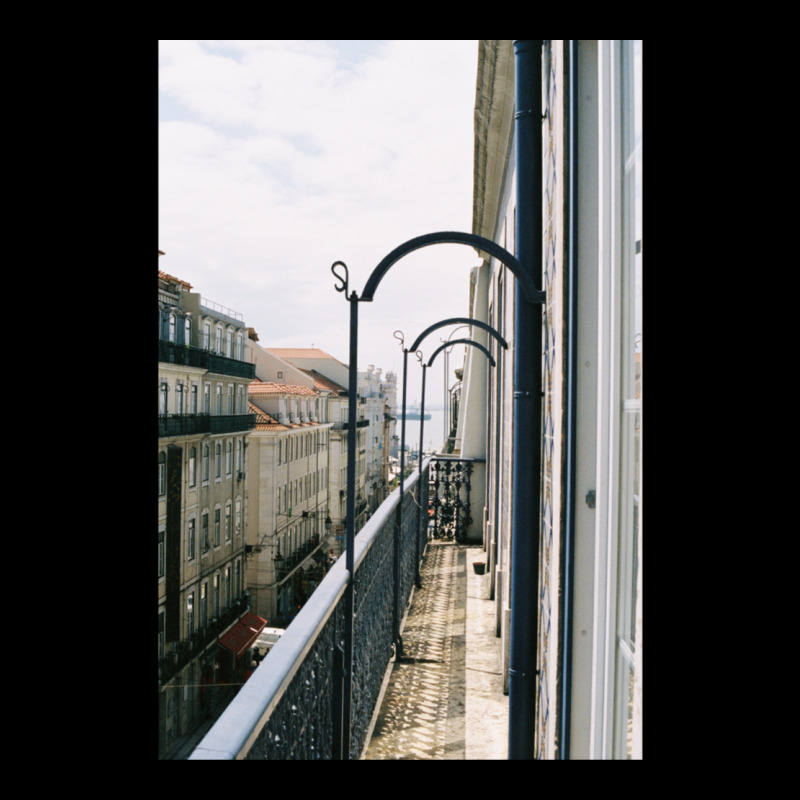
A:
(240, 726)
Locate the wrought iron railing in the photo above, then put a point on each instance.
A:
(190, 424)
(450, 484)
(172, 353)
(291, 707)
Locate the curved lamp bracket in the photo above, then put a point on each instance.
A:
(462, 341)
(480, 243)
(464, 320)
(343, 279)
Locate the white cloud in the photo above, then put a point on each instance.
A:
(278, 158)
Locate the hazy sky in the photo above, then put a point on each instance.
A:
(278, 158)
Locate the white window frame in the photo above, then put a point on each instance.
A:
(616, 593)
(162, 553)
(191, 538)
(192, 466)
(162, 473)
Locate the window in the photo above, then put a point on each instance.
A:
(228, 457)
(238, 520)
(189, 614)
(191, 539)
(627, 571)
(163, 390)
(226, 584)
(187, 331)
(228, 521)
(219, 398)
(240, 346)
(217, 525)
(206, 457)
(239, 450)
(162, 568)
(215, 596)
(220, 343)
(172, 323)
(229, 344)
(240, 401)
(207, 335)
(162, 474)
(218, 461)
(193, 402)
(204, 532)
(193, 466)
(231, 409)
(204, 604)
(162, 639)
(180, 399)
(237, 578)
(207, 398)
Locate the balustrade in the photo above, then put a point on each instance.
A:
(290, 708)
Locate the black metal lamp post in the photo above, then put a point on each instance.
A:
(529, 293)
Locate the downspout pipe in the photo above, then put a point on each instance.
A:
(526, 505)
(571, 289)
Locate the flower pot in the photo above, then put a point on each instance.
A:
(479, 567)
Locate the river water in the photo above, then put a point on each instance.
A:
(432, 431)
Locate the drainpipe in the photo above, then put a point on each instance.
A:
(527, 406)
(571, 289)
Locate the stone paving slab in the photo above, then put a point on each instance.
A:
(444, 697)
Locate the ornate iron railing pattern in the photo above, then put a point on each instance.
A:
(288, 709)
(450, 498)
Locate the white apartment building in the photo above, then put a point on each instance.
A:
(290, 531)
(203, 422)
(375, 427)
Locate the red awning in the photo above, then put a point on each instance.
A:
(242, 635)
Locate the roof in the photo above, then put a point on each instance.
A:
(172, 279)
(258, 388)
(288, 353)
(264, 422)
(321, 382)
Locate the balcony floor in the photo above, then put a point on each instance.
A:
(444, 697)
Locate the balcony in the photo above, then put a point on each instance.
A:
(439, 695)
(171, 353)
(191, 424)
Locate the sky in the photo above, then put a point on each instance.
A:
(278, 158)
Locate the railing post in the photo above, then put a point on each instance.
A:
(422, 510)
(349, 600)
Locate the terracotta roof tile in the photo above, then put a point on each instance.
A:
(289, 353)
(264, 422)
(321, 382)
(165, 277)
(260, 388)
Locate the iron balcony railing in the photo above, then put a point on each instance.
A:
(190, 424)
(172, 353)
(450, 506)
(291, 707)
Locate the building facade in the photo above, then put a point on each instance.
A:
(203, 421)
(587, 607)
(375, 426)
(290, 531)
